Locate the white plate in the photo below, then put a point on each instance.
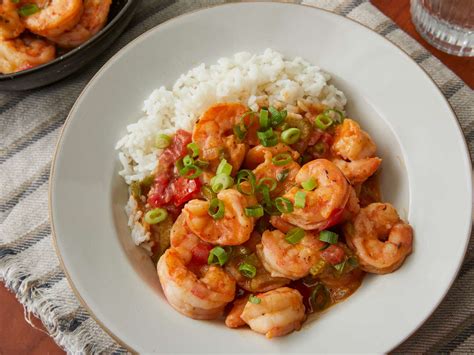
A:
(426, 174)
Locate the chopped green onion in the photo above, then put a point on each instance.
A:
(282, 175)
(277, 116)
(162, 141)
(266, 134)
(317, 268)
(336, 112)
(265, 191)
(217, 255)
(340, 267)
(216, 208)
(28, 9)
(246, 175)
(294, 235)
(270, 142)
(353, 261)
(291, 135)
(156, 215)
(207, 192)
(248, 270)
(309, 185)
(323, 121)
(239, 132)
(263, 118)
(328, 237)
(254, 299)
(242, 132)
(272, 183)
(190, 171)
(254, 211)
(283, 205)
(221, 182)
(187, 160)
(300, 199)
(271, 209)
(224, 168)
(193, 148)
(320, 297)
(281, 159)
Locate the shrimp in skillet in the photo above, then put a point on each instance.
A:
(10, 23)
(323, 206)
(24, 53)
(380, 239)
(275, 313)
(92, 21)
(233, 228)
(54, 18)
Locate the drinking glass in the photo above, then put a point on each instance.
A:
(446, 24)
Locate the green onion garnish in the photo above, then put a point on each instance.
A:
(263, 120)
(334, 116)
(340, 267)
(187, 160)
(265, 191)
(270, 142)
(248, 270)
(156, 215)
(282, 175)
(270, 182)
(217, 255)
(277, 116)
(320, 297)
(28, 9)
(309, 185)
(246, 175)
(323, 121)
(254, 211)
(300, 199)
(202, 163)
(294, 235)
(353, 261)
(281, 159)
(283, 205)
(216, 208)
(291, 135)
(221, 182)
(190, 171)
(240, 131)
(193, 148)
(207, 192)
(224, 168)
(266, 134)
(328, 237)
(162, 141)
(254, 299)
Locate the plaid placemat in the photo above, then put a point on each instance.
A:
(30, 123)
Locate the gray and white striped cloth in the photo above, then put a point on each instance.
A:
(30, 123)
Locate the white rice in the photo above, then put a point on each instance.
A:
(244, 77)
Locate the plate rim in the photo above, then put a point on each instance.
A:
(467, 156)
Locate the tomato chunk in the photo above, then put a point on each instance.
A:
(200, 253)
(185, 190)
(334, 254)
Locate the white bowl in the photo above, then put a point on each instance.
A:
(426, 174)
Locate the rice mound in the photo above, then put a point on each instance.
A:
(244, 77)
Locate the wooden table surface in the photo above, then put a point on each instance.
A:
(18, 337)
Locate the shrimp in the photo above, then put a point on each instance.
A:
(269, 170)
(351, 142)
(232, 229)
(358, 171)
(181, 238)
(196, 297)
(380, 239)
(283, 259)
(92, 21)
(24, 53)
(278, 312)
(233, 319)
(246, 253)
(214, 135)
(10, 23)
(259, 154)
(352, 207)
(55, 17)
(323, 205)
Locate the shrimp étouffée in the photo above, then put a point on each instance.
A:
(10, 23)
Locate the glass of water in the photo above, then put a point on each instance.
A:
(446, 24)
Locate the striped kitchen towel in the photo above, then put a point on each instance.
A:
(30, 123)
